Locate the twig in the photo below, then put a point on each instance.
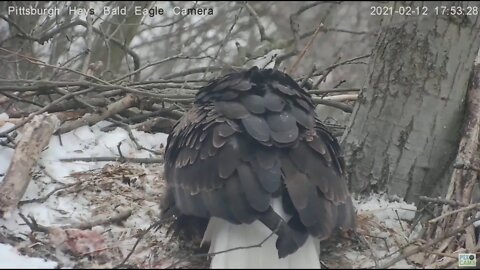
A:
(339, 83)
(323, 73)
(374, 257)
(261, 29)
(463, 166)
(192, 71)
(20, 99)
(93, 86)
(323, 265)
(60, 28)
(292, 69)
(175, 57)
(399, 220)
(132, 137)
(350, 97)
(88, 40)
(309, 75)
(469, 207)
(69, 62)
(335, 104)
(227, 250)
(69, 105)
(442, 254)
(77, 99)
(14, 24)
(42, 85)
(237, 248)
(35, 227)
(161, 124)
(349, 31)
(8, 238)
(120, 150)
(142, 117)
(42, 63)
(225, 40)
(308, 6)
(294, 43)
(136, 244)
(45, 198)
(112, 109)
(102, 221)
(153, 225)
(283, 57)
(427, 245)
(336, 90)
(9, 140)
(116, 159)
(44, 109)
(441, 201)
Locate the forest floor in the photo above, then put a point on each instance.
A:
(83, 214)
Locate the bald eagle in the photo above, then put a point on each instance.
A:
(252, 159)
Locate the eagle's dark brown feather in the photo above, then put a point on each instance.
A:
(252, 136)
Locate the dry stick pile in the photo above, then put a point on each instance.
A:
(143, 104)
(463, 182)
(60, 106)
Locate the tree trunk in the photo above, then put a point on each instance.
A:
(18, 67)
(404, 130)
(121, 27)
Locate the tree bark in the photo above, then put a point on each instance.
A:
(405, 127)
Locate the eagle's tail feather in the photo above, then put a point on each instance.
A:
(223, 236)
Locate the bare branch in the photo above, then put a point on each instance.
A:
(261, 29)
(116, 159)
(463, 209)
(335, 104)
(304, 51)
(114, 108)
(441, 201)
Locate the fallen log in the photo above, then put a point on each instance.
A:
(35, 136)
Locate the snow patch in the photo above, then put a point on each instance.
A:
(102, 189)
(92, 190)
(10, 258)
